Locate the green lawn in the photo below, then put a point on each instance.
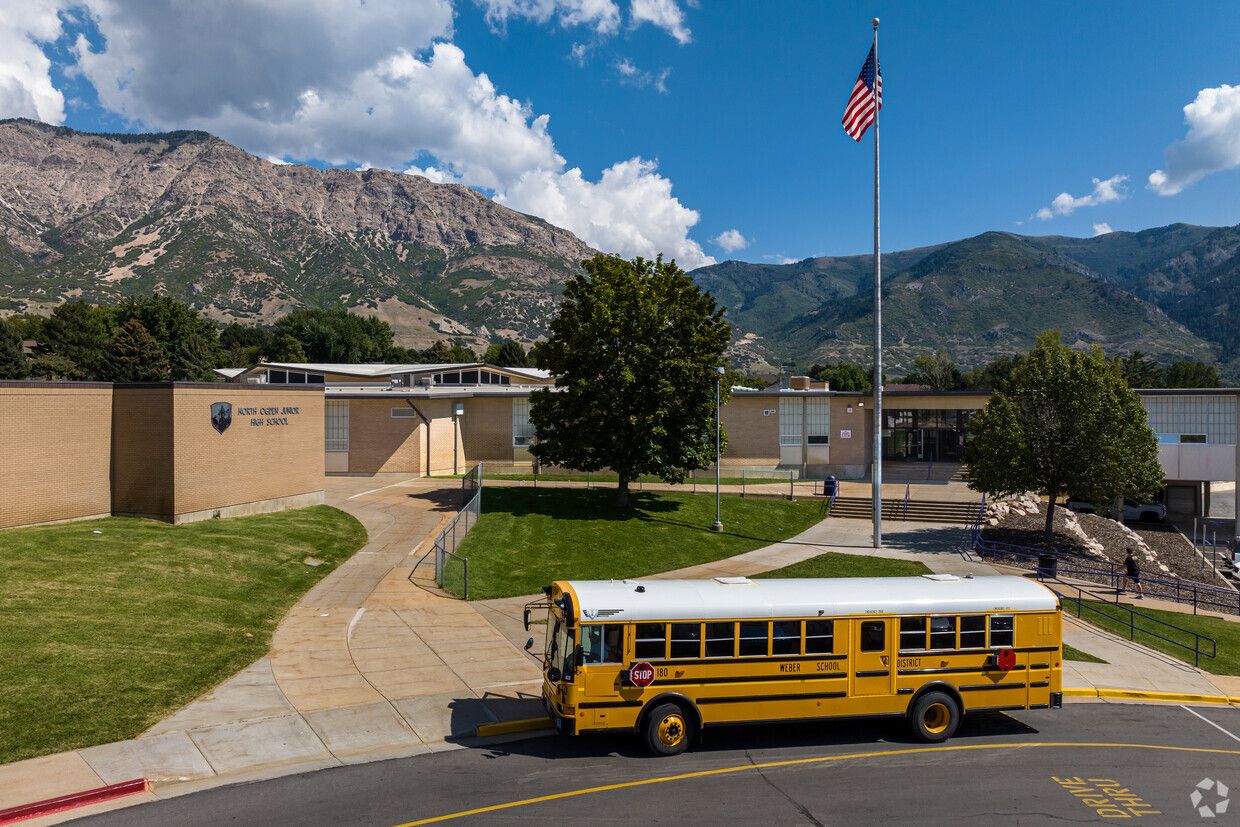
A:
(1072, 653)
(833, 564)
(603, 477)
(1225, 632)
(104, 634)
(528, 537)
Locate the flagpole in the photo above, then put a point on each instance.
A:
(877, 475)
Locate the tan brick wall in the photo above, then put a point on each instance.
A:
(142, 458)
(55, 452)
(444, 437)
(486, 430)
(379, 443)
(855, 450)
(282, 457)
(753, 439)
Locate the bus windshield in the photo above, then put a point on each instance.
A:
(559, 647)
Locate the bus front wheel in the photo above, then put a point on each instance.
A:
(935, 717)
(668, 729)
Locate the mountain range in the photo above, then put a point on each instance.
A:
(103, 216)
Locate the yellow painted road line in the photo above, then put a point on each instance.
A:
(508, 727)
(792, 762)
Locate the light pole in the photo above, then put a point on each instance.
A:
(718, 524)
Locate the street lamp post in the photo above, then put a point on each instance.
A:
(718, 524)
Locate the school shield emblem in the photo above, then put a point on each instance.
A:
(221, 416)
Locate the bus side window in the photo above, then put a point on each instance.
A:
(942, 633)
(753, 638)
(1001, 631)
(873, 635)
(651, 642)
(819, 637)
(602, 644)
(686, 640)
(786, 637)
(912, 634)
(720, 640)
(973, 632)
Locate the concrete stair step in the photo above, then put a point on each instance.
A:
(931, 511)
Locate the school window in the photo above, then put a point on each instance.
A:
(720, 640)
(336, 431)
(522, 430)
(1002, 631)
(651, 642)
(686, 640)
(277, 377)
(942, 633)
(602, 644)
(819, 637)
(789, 422)
(912, 634)
(786, 637)
(873, 635)
(818, 421)
(753, 638)
(973, 632)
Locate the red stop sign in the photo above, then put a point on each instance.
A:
(641, 674)
(1005, 659)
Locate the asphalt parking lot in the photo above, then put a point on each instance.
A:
(1085, 763)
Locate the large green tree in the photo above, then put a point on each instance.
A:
(936, 370)
(1185, 373)
(844, 376)
(1066, 421)
(634, 351)
(337, 335)
(510, 354)
(13, 362)
(76, 332)
(133, 355)
(1140, 371)
(189, 342)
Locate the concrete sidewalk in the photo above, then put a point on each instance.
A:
(366, 666)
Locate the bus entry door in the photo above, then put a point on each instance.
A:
(871, 657)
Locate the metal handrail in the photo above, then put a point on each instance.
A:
(1179, 590)
(1133, 614)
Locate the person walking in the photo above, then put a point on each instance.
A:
(1132, 571)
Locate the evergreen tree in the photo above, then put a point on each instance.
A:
(13, 362)
(1140, 371)
(134, 356)
(193, 359)
(54, 366)
(439, 353)
(634, 350)
(1066, 421)
(337, 335)
(77, 332)
(189, 342)
(510, 354)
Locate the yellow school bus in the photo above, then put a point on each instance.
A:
(668, 658)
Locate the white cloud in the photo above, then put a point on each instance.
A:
(601, 15)
(633, 76)
(1211, 145)
(664, 14)
(630, 210)
(578, 53)
(436, 174)
(277, 160)
(780, 258)
(26, 89)
(731, 240)
(1104, 192)
(1102, 229)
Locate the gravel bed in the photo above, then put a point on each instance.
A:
(1171, 549)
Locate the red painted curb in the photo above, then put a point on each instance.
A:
(72, 801)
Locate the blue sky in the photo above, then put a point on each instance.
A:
(687, 120)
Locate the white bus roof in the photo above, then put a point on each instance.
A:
(739, 597)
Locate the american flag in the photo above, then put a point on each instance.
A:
(866, 99)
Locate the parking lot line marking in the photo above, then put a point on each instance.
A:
(1230, 735)
(792, 762)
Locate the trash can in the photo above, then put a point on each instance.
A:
(1048, 565)
(829, 486)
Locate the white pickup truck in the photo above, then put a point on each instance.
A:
(1133, 510)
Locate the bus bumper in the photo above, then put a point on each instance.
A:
(1056, 700)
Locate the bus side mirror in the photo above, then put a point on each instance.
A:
(525, 617)
(553, 674)
(529, 644)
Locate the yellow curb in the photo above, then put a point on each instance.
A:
(509, 727)
(1149, 695)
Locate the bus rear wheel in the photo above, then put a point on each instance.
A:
(935, 717)
(668, 729)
